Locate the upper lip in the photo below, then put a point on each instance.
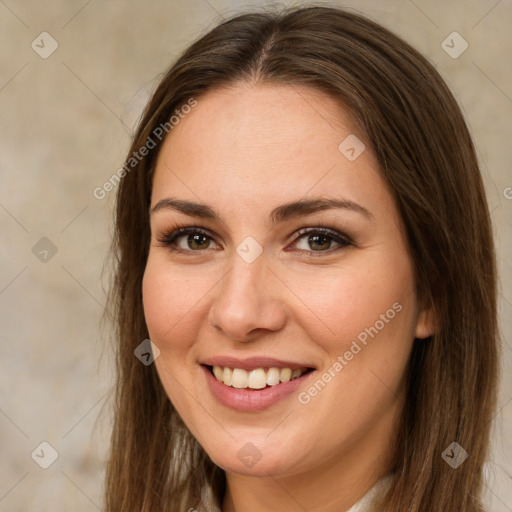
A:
(251, 363)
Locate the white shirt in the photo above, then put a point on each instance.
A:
(371, 497)
(363, 505)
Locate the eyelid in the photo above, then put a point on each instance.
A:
(330, 232)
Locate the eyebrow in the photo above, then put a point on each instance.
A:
(281, 213)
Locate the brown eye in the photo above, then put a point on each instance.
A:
(196, 241)
(319, 240)
(187, 240)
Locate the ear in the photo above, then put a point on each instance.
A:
(425, 325)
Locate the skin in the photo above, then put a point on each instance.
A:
(244, 150)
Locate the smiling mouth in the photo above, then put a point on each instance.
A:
(258, 378)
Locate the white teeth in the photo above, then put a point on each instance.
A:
(227, 376)
(217, 371)
(273, 376)
(258, 378)
(240, 378)
(285, 375)
(295, 373)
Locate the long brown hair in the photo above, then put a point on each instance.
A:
(420, 139)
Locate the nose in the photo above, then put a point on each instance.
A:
(248, 301)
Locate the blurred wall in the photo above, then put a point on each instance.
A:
(74, 77)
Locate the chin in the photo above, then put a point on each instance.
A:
(247, 467)
(255, 459)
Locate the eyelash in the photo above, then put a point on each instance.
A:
(168, 239)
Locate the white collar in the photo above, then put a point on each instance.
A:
(374, 494)
(363, 505)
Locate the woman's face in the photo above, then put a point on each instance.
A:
(272, 281)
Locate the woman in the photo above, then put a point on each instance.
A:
(302, 233)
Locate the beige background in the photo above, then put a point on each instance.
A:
(65, 126)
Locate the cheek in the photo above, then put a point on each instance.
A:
(344, 302)
(170, 303)
(366, 315)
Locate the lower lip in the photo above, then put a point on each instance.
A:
(247, 400)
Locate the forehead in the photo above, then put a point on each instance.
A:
(244, 116)
(270, 143)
